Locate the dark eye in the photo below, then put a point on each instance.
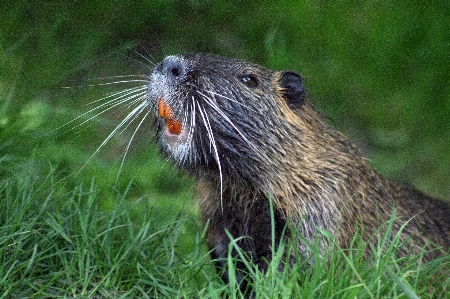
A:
(249, 80)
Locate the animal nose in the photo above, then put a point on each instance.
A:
(172, 66)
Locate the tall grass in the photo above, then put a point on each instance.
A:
(61, 245)
(344, 273)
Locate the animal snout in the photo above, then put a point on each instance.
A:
(172, 67)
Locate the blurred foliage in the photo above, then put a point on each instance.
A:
(379, 70)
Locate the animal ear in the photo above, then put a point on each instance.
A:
(292, 89)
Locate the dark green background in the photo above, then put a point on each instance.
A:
(380, 72)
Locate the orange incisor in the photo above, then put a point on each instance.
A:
(173, 124)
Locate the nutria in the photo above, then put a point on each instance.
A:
(249, 134)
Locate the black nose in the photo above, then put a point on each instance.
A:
(172, 66)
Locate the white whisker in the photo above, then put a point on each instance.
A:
(107, 83)
(118, 99)
(230, 99)
(141, 107)
(141, 100)
(226, 118)
(148, 57)
(119, 95)
(108, 106)
(135, 111)
(207, 124)
(118, 77)
(185, 153)
(191, 130)
(152, 63)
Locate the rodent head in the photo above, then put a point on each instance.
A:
(223, 116)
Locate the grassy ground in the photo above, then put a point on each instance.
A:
(57, 244)
(68, 228)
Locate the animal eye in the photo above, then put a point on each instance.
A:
(249, 80)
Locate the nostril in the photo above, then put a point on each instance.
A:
(175, 71)
(171, 66)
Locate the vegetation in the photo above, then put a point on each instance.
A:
(56, 245)
(72, 226)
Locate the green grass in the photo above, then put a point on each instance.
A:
(57, 245)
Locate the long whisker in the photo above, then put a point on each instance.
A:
(130, 105)
(144, 77)
(119, 95)
(142, 106)
(212, 141)
(125, 101)
(147, 57)
(192, 156)
(231, 100)
(118, 99)
(108, 83)
(227, 119)
(186, 152)
(130, 115)
(152, 63)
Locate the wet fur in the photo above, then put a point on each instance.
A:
(251, 134)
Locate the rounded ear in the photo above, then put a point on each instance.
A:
(292, 89)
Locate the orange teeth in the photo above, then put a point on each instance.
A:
(173, 124)
(164, 109)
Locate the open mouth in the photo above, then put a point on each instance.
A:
(174, 133)
(173, 125)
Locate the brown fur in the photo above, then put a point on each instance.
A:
(270, 142)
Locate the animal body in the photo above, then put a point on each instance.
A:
(249, 135)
